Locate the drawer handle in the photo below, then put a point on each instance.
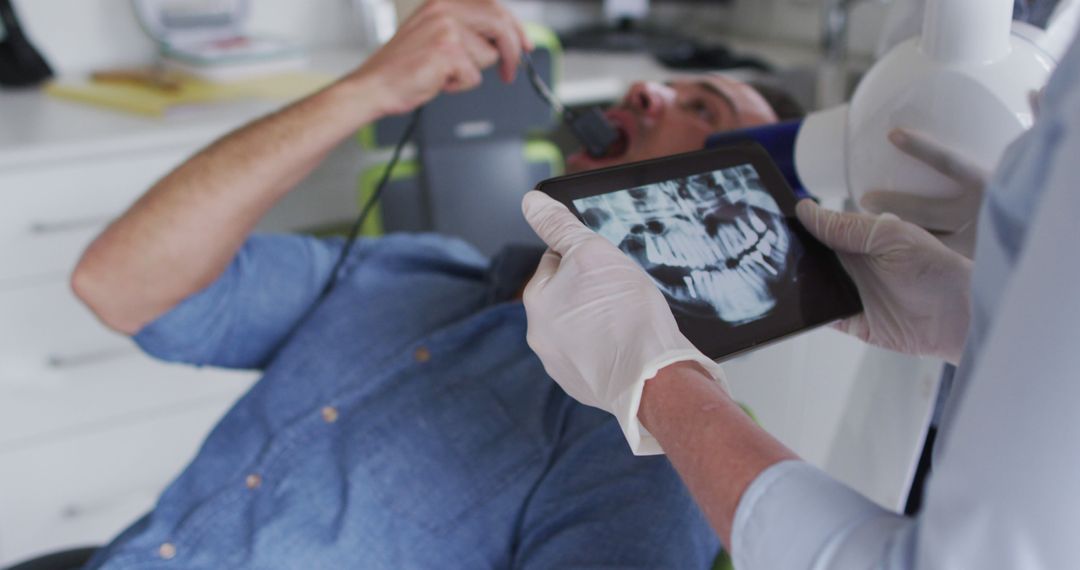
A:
(139, 495)
(62, 226)
(80, 359)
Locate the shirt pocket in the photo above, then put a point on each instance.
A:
(439, 450)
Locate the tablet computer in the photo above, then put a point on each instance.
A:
(716, 231)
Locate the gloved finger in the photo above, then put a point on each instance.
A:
(843, 232)
(545, 270)
(856, 326)
(553, 222)
(946, 215)
(938, 156)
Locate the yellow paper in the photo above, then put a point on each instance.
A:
(154, 102)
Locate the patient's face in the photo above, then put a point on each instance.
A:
(657, 119)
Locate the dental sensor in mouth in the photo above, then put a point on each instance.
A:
(590, 126)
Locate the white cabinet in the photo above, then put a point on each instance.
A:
(80, 488)
(91, 430)
(49, 213)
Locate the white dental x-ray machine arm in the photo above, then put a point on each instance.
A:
(965, 81)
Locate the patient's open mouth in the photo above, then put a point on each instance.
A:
(624, 122)
(622, 144)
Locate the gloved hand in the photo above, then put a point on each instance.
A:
(914, 289)
(598, 323)
(954, 219)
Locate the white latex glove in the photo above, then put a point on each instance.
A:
(598, 323)
(954, 219)
(914, 289)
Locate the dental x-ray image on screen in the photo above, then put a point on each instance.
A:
(715, 243)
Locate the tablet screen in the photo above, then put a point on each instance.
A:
(716, 232)
(714, 243)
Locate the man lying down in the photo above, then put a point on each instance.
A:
(405, 423)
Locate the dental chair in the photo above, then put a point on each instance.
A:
(477, 153)
(66, 560)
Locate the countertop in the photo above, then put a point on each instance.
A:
(35, 127)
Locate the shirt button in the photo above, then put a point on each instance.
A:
(253, 481)
(167, 551)
(329, 414)
(422, 354)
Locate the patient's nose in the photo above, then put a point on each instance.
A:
(648, 98)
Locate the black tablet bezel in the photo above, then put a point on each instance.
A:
(843, 298)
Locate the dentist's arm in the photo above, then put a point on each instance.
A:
(606, 334)
(182, 234)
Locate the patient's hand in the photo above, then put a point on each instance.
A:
(444, 45)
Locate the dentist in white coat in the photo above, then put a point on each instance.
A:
(1005, 490)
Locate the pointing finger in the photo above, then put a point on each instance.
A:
(554, 223)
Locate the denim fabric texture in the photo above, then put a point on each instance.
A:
(447, 445)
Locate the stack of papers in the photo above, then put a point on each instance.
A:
(233, 58)
(190, 92)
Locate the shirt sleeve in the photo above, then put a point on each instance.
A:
(240, 319)
(794, 516)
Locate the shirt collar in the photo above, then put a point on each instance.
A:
(510, 269)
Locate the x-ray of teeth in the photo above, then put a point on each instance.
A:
(715, 243)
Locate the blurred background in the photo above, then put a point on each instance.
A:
(99, 98)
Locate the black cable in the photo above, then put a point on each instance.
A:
(366, 209)
(354, 231)
(595, 132)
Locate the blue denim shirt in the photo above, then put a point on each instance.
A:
(405, 424)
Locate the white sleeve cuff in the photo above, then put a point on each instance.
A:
(641, 441)
(795, 516)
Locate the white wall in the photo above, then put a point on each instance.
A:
(78, 35)
(785, 20)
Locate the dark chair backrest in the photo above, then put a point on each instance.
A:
(66, 560)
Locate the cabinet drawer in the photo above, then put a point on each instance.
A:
(55, 407)
(61, 370)
(85, 489)
(45, 329)
(48, 216)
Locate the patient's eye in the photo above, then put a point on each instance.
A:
(700, 109)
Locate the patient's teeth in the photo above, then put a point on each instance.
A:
(759, 226)
(748, 232)
(692, 250)
(717, 249)
(650, 252)
(716, 286)
(663, 252)
(690, 286)
(753, 241)
(730, 240)
(760, 259)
